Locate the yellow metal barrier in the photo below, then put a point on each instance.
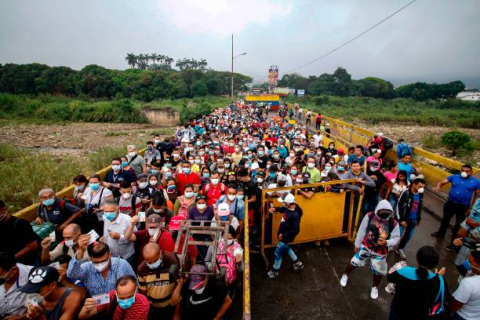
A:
(323, 215)
(29, 213)
(247, 314)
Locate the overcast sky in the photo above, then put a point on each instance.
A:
(431, 40)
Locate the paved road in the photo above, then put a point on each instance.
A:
(315, 293)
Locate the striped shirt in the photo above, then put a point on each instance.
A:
(121, 247)
(93, 280)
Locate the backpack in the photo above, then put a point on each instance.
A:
(184, 207)
(387, 144)
(133, 203)
(228, 262)
(43, 214)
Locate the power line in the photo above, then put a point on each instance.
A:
(353, 39)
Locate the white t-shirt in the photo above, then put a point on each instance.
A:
(468, 293)
(316, 139)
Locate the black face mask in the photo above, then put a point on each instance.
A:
(384, 214)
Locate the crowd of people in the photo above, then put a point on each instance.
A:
(111, 250)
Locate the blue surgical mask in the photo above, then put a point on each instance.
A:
(171, 187)
(210, 152)
(154, 172)
(260, 153)
(272, 174)
(224, 218)
(206, 175)
(154, 265)
(240, 196)
(126, 303)
(293, 172)
(48, 202)
(186, 170)
(109, 215)
(116, 167)
(124, 163)
(94, 186)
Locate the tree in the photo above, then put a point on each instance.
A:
(199, 88)
(375, 87)
(131, 60)
(456, 140)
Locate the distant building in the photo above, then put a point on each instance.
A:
(469, 96)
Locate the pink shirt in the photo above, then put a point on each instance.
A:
(390, 176)
(371, 158)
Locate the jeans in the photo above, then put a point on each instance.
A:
(369, 204)
(279, 251)
(317, 125)
(449, 210)
(392, 199)
(409, 230)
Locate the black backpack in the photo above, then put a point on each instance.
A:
(387, 144)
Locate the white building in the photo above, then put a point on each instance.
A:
(469, 96)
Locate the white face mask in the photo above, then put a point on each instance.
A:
(260, 180)
(153, 232)
(199, 291)
(231, 197)
(230, 242)
(132, 154)
(464, 175)
(153, 182)
(143, 185)
(188, 194)
(101, 266)
(311, 165)
(69, 243)
(421, 190)
(214, 182)
(155, 265)
(126, 196)
(201, 206)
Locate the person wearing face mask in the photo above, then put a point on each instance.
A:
(236, 206)
(408, 213)
(315, 175)
(175, 159)
(127, 203)
(151, 154)
(203, 298)
(80, 183)
(341, 169)
(463, 191)
(115, 176)
(171, 191)
(68, 246)
(115, 225)
(125, 303)
(371, 194)
(13, 276)
(187, 177)
(156, 282)
(53, 302)
(288, 230)
(160, 206)
(145, 192)
(237, 155)
(378, 232)
(215, 189)
(101, 272)
(56, 211)
(201, 212)
(17, 237)
(127, 167)
(185, 202)
(135, 161)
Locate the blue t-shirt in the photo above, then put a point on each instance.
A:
(414, 210)
(354, 157)
(462, 189)
(407, 167)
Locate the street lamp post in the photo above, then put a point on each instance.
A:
(231, 76)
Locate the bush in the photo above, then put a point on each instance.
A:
(457, 141)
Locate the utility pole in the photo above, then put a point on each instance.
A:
(231, 76)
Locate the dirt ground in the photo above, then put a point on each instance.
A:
(77, 137)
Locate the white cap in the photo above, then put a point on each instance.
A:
(288, 198)
(223, 209)
(380, 134)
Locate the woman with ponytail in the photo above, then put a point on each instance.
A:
(420, 292)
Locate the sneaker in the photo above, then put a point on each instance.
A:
(402, 254)
(344, 280)
(297, 266)
(390, 288)
(437, 235)
(272, 274)
(451, 247)
(374, 293)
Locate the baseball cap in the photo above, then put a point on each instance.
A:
(288, 198)
(153, 221)
(175, 223)
(196, 279)
(306, 175)
(40, 277)
(340, 151)
(261, 173)
(223, 209)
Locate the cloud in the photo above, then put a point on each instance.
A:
(221, 18)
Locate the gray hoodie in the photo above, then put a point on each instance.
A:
(371, 227)
(367, 181)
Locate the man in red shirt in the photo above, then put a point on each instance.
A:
(124, 303)
(215, 189)
(187, 177)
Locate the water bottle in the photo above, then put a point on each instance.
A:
(467, 246)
